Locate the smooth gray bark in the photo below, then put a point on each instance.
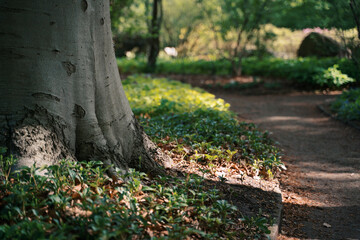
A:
(61, 94)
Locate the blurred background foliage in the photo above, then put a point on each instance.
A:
(213, 29)
(262, 38)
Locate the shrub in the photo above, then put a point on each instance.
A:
(332, 77)
(347, 105)
(304, 72)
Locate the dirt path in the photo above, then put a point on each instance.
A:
(321, 189)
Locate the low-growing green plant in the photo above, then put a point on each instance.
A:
(347, 105)
(170, 110)
(333, 78)
(5, 164)
(32, 207)
(78, 201)
(258, 225)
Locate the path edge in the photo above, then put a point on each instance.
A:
(323, 108)
(275, 228)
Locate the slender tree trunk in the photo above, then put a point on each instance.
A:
(61, 94)
(355, 54)
(154, 40)
(236, 61)
(356, 14)
(236, 67)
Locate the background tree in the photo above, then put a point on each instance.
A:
(355, 10)
(240, 21)
(341, 15)
(61, 92)
(129, 26)
(313, 13)
(117, 10)
(154, 26)
(181, 19)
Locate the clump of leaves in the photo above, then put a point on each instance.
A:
(256, 226)
(347, 105)
(78, 201)
(332, 78)
(194, 124)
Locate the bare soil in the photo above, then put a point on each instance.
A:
(321, 188)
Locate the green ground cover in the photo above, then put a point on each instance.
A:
(347, 105)
(310, 73)
(171, 111)
(78, 201)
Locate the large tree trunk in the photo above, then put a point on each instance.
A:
(61, 94)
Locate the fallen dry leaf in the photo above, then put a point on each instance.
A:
(327, 225)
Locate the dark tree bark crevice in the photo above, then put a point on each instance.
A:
(145, 151)
(10, 125)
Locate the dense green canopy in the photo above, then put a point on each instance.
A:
(299, 14)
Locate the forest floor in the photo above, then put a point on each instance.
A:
(321, 188)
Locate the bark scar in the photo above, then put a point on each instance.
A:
(45, 96)
(69, 67)
(84, 5)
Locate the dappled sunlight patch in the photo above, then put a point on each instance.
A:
(292, 119)
(282, 118)
(159, 95)
(336, 177)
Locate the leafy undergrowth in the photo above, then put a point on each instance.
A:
(199, 131)
(308, 73)
(78, 201)
(347, 105)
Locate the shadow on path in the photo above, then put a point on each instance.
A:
(321, 222)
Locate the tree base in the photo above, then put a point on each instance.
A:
(39, 138)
